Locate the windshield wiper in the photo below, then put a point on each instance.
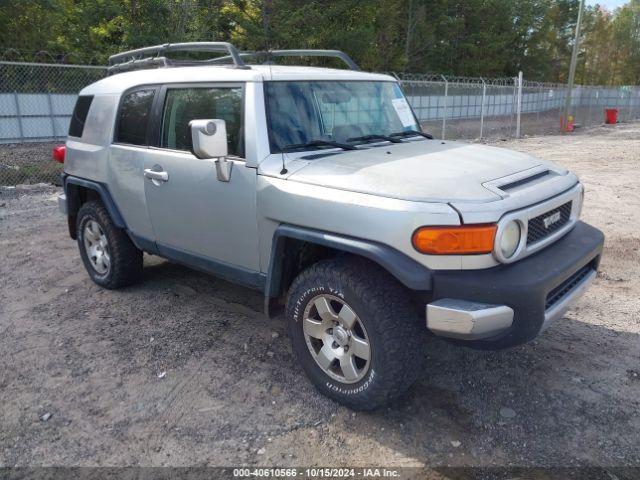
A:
(318, 143)
(374, 136)
(412, 133)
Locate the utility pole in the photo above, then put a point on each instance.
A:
(266, 23)
(519, 104)
(572, 69)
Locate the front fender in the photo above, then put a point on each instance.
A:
(409, 272)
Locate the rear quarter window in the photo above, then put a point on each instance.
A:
(133, 117)
(79, 116)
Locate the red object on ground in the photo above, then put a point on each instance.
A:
(611, 115)
(58, 153)
(570, 124)
(568, 128)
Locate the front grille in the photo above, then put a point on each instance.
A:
(565, 287)
(537, 228)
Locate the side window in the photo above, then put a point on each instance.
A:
(133, 117)
(183, 105)
(80, 112)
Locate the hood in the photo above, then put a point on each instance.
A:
(424, 171)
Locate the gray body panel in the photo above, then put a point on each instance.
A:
(126, 184)
(194, 212)
(89, 157)
(528, 196)
(380, 219)
(419, 171)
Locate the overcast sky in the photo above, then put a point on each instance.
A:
(610, 4)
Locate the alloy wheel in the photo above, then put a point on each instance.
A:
(336, 338)
(97, 247)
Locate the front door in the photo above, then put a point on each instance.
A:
(196, 218)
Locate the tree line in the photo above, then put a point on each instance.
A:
(489, 38)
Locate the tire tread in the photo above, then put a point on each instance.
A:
(400, 338)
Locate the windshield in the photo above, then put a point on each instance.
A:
(306, 111)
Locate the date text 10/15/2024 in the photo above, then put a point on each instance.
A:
(316, 473)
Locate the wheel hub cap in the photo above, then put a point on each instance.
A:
(340, 336)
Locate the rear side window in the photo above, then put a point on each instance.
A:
(76, 127)
(135, 111)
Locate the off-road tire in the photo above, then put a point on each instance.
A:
(126, 260)
(395, 333)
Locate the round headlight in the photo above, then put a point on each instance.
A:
(510, 239)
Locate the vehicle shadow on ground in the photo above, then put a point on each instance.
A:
(558, 400)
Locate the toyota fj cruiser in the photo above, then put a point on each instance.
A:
(318, 187)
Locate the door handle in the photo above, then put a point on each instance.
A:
(153, 175)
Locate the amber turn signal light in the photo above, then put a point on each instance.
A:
(456, 240)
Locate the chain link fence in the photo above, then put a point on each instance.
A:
(477, 108)
(36, 104)
(37, 100)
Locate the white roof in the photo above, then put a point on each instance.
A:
(257, 73)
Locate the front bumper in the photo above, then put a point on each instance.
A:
(511, 304)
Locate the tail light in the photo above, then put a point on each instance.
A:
(58, 153)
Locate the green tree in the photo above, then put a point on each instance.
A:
(452, 37)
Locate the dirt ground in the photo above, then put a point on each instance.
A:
(83, 382)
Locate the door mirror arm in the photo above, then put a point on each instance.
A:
(223, 169)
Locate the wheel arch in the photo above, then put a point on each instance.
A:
(294, 248)
(78, 191)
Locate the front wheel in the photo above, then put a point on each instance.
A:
(354, 332)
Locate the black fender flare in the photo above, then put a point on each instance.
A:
(73, 202)
(409, 272)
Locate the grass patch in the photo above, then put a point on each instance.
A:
(48, 172)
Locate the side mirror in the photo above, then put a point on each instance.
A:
(209, 140)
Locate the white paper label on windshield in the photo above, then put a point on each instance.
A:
(404, 112)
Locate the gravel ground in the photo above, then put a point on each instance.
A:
(83, 382)
(28, 163)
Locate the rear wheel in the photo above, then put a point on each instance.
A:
(108, 254)
(354, 332)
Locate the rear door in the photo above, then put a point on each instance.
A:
(128, 154)
(195, 217)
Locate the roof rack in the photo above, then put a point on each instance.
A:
(268, 54)
(150, 57)
(153, 57)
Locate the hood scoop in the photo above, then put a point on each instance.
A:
(520, 181)
(528, 181)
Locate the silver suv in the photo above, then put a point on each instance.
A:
(318, 187)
